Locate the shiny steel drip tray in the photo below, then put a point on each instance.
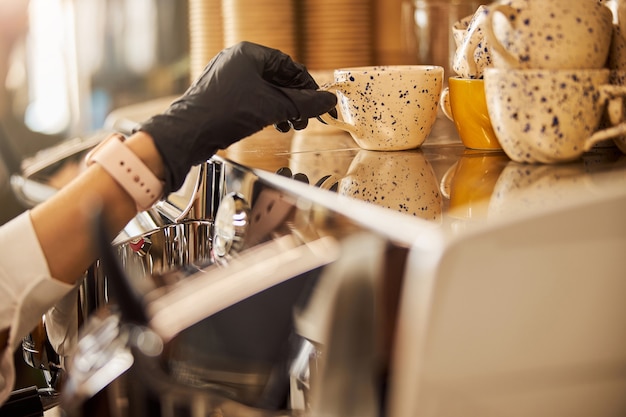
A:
(181, 245)
(243, 352)
(147, 258)
(232, 339)
(229, 328)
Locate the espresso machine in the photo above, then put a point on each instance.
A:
(240, 294)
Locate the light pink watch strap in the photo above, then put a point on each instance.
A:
(128, 170)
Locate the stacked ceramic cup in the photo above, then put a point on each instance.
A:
(548, 86)
(617, 64)
(206, 35)
(337, 33)
(268, 22)
(463, 101)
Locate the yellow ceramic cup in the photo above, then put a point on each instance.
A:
(463, 102)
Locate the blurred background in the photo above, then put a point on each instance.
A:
(66, 64)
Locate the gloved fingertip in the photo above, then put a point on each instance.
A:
(333, 113)
(299, 124)
(312, 103)
(329, 98)
(282, 127)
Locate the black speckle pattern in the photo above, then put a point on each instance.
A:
(552, 34)
(400, 181)
(389, 107)
(545, 116)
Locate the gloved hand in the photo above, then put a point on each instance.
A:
(242, 90)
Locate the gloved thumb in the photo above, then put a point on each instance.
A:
(311, 103)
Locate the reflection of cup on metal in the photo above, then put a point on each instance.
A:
(387, 108)
(319, 155)
(523, 188)
(401, 181)
(469, 183)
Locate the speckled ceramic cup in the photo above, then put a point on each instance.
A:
(387, 108)
(617, 51)
(615, 109)
(550, 116)
(555, 34)
(400, 181)
(463, 102)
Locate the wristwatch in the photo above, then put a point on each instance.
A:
(127, 170)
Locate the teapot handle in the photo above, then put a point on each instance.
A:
(493, 41)
(614, 96)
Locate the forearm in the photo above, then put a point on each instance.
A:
(64, 224)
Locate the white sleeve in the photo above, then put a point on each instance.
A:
(27, 290)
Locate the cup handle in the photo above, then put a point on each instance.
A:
(445, 184)
(444, 103)
(491, 37)
(608, 133)
(330, 120)
(614, 95)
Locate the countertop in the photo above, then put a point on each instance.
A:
(442, 181)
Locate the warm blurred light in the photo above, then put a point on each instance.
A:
(140, 35)
(49, 107)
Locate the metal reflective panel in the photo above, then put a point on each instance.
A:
(222, 268)
(226, 296)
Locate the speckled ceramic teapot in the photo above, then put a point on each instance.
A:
(472, 54)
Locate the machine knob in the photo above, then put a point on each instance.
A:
(231, 222)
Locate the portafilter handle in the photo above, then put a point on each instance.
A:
(29, 402)
(130, 303)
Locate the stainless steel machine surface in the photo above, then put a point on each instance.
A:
(227, 272)
(242, 274)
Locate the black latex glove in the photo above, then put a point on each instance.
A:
(242, 90)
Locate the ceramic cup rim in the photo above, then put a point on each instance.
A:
(468, 80)
(390, 68)
(546, 71)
